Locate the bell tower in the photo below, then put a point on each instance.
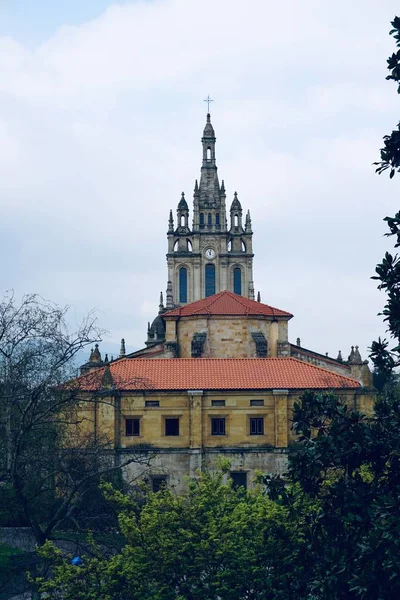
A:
(210, 257)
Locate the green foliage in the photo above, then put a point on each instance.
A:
(350, 465)
(390, 153)
(212, 542)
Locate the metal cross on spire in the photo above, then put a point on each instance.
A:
(208, 100)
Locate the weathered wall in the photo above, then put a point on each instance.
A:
(177, 465)
(228, 337)
(184, 454)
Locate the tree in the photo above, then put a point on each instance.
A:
(48, 471)
(348, 466)
(211, 542)
(390, 153)
(388, 271)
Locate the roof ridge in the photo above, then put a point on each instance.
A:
(320, 368)
(242, 300)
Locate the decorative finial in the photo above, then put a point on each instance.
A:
(235, 196)
(258, 297)
(208, 100)
(248, 222)
(106, 359)
(222, 187)
(298, 342)
(122, 350)
(357, 357)
(161, 305)
(339, 356)
(196, 187)
(170, 221)
(170, 299)
(96, 356)
(351, 355)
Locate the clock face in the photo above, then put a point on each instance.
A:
(209, 253)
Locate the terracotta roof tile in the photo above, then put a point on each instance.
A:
(227, 303)
(218, 374)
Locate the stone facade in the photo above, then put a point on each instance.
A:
(195, 444)
(226, 336)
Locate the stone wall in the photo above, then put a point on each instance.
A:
(229, 337)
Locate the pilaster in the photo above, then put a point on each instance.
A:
(281, 418)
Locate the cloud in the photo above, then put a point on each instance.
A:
(100, 132)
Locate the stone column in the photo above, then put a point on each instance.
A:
(281, 418)
(196, 280)
(195, 431)
(273, 341)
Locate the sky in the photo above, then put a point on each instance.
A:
(101, 116)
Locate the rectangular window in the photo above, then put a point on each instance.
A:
(256, 426)
(217, 402)
(256, 402)
(239, 479)
(171, 426)
(149, 403)
(218, 426)
(132, 427)
(158, 482)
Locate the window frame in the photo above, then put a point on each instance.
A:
(133, 419)
(218, 403)
(152, 403)
(171, 418)
(256, 419)
(183, 284)
(160, 478)
(257, 402)
(235, 485)
(220, 420)
(210, 286)
(237, 281)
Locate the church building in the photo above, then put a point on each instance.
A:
(218, 375)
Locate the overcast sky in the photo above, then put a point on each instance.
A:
(101, 115)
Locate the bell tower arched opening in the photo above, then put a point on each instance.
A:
(209, 280)
(237, 281)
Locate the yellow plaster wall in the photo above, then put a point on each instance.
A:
(194, 410)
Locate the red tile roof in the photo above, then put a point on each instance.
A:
(227, 303)
(218, 374)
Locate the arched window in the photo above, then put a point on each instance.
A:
(237, 281)
(183, 284)
(176, 245)
(208, 153)
(229, 246)
(201, 219)
(217, 219)
(209, 219)
(243, 246)
(183, 221)
(210, 280)
(236, 220)
(189, 246)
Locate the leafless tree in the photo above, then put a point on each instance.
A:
(48, 467)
